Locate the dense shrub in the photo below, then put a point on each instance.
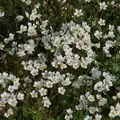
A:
(59, 59)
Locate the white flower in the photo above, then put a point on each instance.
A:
(22, 29)
(16, 84)
(19, 17)
(67, 117)
(118, 28)
(101, 22)
(20, 96)
(87, 0)
(98, 117)
(79, 44)
(23, 0)
(91, 98)
(118, 95)
(29, 47)
(37, 65)
(117, 107)
(111, 27)
(113, 113)
(28, 2)
(10, 38)
(66, 82)
(102, 102)
(103, 6)
(12, 101)
(37, 84)
(11, 88)
(21, 53)
(43, 91)
(98, 96)
(112, 108)
(10, 111)
(2, 14)
(95, 73)
(3, 102)
(98, 34)
(5, 95)
(118, 113)
(112, 2)
(99, 86)
(33, 94)
(61, 90)
(46, 102)
(69, 111)
(6, 115)
(49, 84)
(83, 63)
(92, 110)
(111, 34)
(114, 97)
(88, 117)
(34, 72)
(109, 44)
(1, 46)
(78, 13)
(32, 31)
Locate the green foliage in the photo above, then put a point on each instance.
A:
(57, 13)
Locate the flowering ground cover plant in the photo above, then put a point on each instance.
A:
(59, 60)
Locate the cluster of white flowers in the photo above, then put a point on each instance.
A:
(64, 60)
(61, 42)
(36, 65)
(105, 84)
(115, 110)
(9, 97)
(46, 102)
(108, 45)
(10, 38)
(24, 49)
(88, 98)
(34, 14)
(48, 80)
(6, 78)
(8, 113)
(82, 80)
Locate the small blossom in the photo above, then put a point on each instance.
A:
(103, 6)
(91, 98)
(78, 13)
(61, 90)
(2, 14)
(49, 84)
(43, 92)
(20, 96)
(12, 101)
(101, 22)
(98, 34)
(33, 94)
